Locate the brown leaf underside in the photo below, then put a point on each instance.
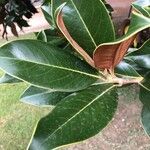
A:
(108, 56)
(105, 56)
(76, 46)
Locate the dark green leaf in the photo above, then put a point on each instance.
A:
(140, 5)
(142, 56)
(79, 17)
(145, 90)
(42, 65)
(42, 97)
(76, 118)
(41, 36)
(145, 117)
(126, 69)
(51, 36)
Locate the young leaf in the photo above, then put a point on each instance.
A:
(78, 20)
(108, 56)
(76, 118)
(112, 53)
(46, 66)
(42, 97)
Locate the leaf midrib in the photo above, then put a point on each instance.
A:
(84, 23)
(53, 66)
(78, 112)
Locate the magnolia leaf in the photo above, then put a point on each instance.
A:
(42, 97)
(139, 5)
(74, 44)
(108, 55)
(77, 20)
(46, 66)
(146, 83)
(126, 69)
(51, 36)
(8, 79)
(141, 56)
(42, 36)
(76, 118)
(145, 99)
(147, 9)
(145, 118)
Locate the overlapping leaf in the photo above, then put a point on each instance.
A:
(87, 29)
(140, 6)
(126, 69)
(116, 50)
(146, 119)
(42, 97)
(45, 66)
(51, 36)
(76, 118)
(141, 56)
(145, 99)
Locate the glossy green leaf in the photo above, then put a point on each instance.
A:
(45, 66)
(146, 83)
(142, 56)
(145, 96)
(140, 5)
(42, 97)
(145, 118)
(76, 118)
(145, 99)
(78, 20)
(8, 79)
(41, 36)
(126, 69)
(51, 36)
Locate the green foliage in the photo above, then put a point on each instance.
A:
(76, 66)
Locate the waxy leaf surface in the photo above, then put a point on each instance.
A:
(126, 69)
(87, 21)
(76, 118)
(145, 118)
(141, 56)
(45, 66)
(42, 97)
(145, 99)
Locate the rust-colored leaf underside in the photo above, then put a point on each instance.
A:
(76, 46)
(108, 56)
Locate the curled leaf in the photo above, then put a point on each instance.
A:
(107, 56)
(76, 46)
